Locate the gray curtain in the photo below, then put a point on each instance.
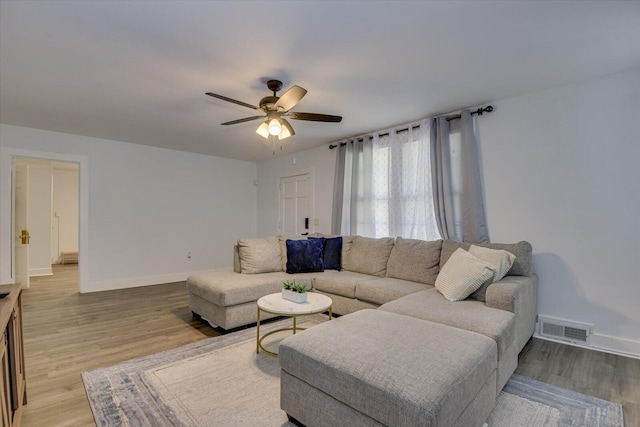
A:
(457, 180)
(352, 180)
(338, 189)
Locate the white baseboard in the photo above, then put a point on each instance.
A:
(135, 282)
(45, 271)
(616, 345)
(605, 343)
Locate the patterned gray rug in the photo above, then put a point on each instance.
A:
(221, 381)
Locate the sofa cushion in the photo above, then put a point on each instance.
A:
(500, 260)
(462, 275)
(402, 372)
(469, 314)
(369, 256)
(347, 241)
(305, 256)
(341, 283)
(332, 255)
(415, 260)
(385, 289)
(226, 288)
(522, 250)
(260, 255)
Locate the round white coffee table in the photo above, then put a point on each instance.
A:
(275, 304)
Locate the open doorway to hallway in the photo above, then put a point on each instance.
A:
(46, 211)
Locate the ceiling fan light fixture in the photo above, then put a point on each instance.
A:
(274, 127)
(284, 134)
(263, 130)
(287, 130)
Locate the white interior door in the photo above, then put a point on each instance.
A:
(21, 222)
(295, 199)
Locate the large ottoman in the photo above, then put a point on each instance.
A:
(373, 368)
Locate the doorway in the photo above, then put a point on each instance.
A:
(46, 211)
(7, 214)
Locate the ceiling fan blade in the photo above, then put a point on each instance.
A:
(290, 98)
(235, 101)
(313, 117)
(246, 119)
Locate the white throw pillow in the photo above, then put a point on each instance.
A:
(462, 275)
(501, 262)
(259, 255)
(500, 259)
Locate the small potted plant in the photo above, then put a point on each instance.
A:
(294, 291)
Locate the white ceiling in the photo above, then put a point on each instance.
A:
(137, 71)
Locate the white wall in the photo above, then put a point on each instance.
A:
(561, 171)
(148, 207)
(320, 162)
(64, 221)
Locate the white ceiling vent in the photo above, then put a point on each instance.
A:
(565, 330)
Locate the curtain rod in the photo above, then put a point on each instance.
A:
(479, 112)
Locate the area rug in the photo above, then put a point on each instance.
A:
(221, 381)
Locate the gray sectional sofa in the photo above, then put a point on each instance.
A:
(404, 354)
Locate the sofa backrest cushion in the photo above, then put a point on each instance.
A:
(415, 260)
(522, 250)
(236, 259)
(259, 255)
(305, 256)
(368, 256)
(347, 241)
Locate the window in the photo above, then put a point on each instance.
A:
(394, 194)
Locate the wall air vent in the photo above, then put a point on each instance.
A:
(579, 333)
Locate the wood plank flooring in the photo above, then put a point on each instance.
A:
(67, 333)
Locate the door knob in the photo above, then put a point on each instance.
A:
(24, 236)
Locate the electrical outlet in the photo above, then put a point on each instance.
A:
(189, 255)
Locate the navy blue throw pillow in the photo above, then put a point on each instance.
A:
(332, 252)
(304, 256)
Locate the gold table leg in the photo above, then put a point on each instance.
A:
(258, 333)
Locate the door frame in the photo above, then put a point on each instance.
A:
(312, 201)
(7, 232)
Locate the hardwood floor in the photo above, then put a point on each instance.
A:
(67, 333)
(594, 373)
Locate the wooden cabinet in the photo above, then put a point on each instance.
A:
(6, 407)
(13, 387)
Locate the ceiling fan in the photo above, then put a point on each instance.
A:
(276, 109)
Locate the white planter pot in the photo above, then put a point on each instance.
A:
(294, 296)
